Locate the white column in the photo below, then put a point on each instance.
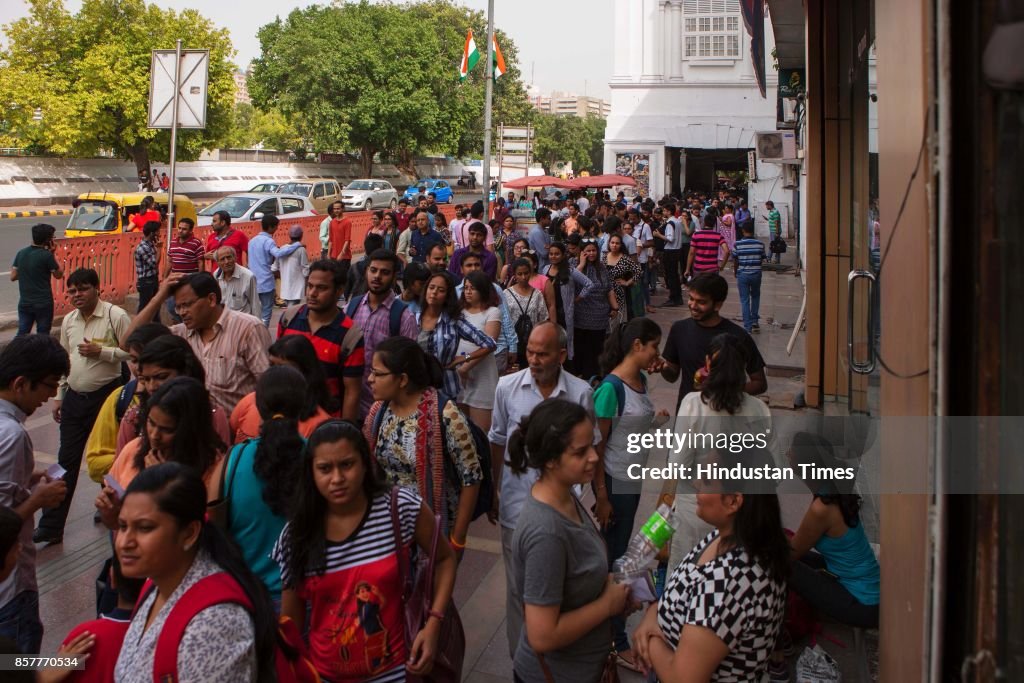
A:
(621, 44)
(675, 23)
(636, 39)
(652, 35)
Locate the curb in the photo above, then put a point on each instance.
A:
(35, 214)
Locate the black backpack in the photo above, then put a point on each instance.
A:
(524, 323)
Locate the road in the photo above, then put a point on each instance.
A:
(16, 233)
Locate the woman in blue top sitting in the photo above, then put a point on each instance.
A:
(842, 578)
(261, 474)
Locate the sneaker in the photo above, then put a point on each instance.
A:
(755, 327)
(778, 671)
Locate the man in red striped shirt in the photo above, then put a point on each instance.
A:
(184, 255)
(704, 247)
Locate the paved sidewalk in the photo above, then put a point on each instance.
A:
(67, 572)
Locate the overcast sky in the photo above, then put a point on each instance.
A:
(566, 43)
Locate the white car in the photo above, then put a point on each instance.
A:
(252, 206)
(365, 195)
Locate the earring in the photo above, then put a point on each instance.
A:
(187, 547)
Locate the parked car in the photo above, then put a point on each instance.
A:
(369, 194)
(266, 187)
(252, 206)
(322, 193)
(107, 213)
(442, 190)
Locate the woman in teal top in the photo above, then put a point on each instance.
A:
(842, 578)
(261, 474)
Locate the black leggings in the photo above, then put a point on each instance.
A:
(587, 347)
(827, 595)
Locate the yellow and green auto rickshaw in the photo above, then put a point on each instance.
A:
(109, 213)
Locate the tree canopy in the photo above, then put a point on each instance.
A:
(89, 75)
(382, 78)
(571, 139)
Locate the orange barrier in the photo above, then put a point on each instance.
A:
(113, 256)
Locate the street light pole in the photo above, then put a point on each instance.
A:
(489, 90)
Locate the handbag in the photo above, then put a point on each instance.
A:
(417, 593)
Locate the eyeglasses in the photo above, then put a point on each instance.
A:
(180, 306)
(378, 373)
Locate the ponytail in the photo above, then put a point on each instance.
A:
(620, 341)
(544, 434)
(280, 399)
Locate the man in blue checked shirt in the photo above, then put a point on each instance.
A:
(507, 341)
(262, 252)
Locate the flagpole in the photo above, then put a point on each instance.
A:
(489, 71)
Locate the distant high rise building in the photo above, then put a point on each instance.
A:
(569, 104)
(242, 87)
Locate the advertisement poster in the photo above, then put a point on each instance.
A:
(638, 167)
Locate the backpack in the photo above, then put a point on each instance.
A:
(394, 322)
(124, 399)
(485, 497)
(778, 246)
(524, 323)
(290, 661)
(620, 389)
(348, 343)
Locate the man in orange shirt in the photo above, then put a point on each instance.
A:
(340, 231)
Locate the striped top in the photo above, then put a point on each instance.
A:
(356, 618)
(749, 253)
(705, 244)
(185, 256)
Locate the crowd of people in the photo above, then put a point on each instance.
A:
(458, 370)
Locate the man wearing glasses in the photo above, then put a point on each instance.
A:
(91, 335)
(231, 345)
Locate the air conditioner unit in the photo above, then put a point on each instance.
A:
(775, 145)
(790, 176)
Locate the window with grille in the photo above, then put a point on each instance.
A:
(711, 29)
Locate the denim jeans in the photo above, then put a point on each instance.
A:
(19, 621)
(750, 297)
(40, 314)
(617, 536)
(266, 306)
(175, 318)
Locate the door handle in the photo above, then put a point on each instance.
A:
(868, 366)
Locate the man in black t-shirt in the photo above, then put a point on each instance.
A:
(689, 340)
(32, 268)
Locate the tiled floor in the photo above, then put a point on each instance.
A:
(67, 572)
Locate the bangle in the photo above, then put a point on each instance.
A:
(455, 544)
(437, 615)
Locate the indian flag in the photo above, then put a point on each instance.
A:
(499, 59)
(470, 56)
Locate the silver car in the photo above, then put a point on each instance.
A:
(252, 206)
(369, 194)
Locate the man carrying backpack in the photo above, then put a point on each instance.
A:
(380, 314)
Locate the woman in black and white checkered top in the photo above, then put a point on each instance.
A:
(723, 606)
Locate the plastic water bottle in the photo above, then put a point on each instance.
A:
(647, 543)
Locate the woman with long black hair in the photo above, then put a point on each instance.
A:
(177, 427)
(339, 555)
(163, 536)
(593, 311)
(260, 474)
(723, 605)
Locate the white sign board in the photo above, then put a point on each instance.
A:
(195, 67)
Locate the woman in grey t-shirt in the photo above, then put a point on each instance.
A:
(559, 561)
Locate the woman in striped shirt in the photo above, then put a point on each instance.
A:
(339, 556)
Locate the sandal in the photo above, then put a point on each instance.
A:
(627, 663)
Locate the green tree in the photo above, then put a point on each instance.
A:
(571, 139)
(383, 79)
(251, 126)
(89, 74)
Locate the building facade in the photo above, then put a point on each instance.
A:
(570, 104)
(242, 87)
(685, 105)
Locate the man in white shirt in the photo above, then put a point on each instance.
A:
(515, 397)
(237, 283)
(456, 227)
(672, 232)
(582, 202)
(644, 250)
